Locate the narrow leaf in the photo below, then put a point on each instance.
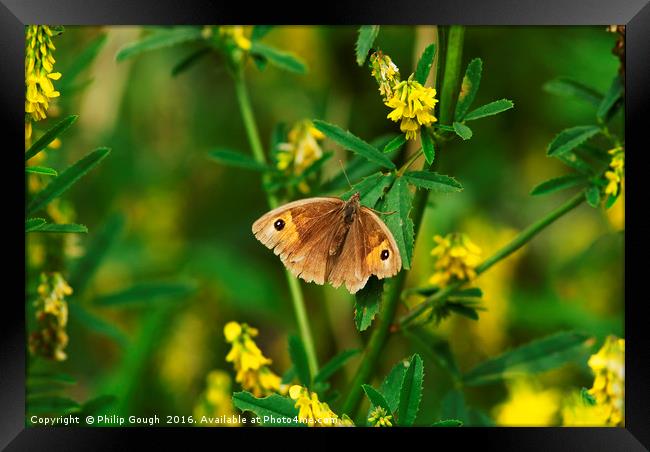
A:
(41, 170)
(424, 64)
(275, 407)
(61, 228)
(468, 88)
(371, 189)
(82, 62)
(367, 302)
(490, 109)
(259, 31)
(593, 196)
(399, 200)
(557, 184)
(66, 179)
(158, 40)
(571, 138)
(299, 359)
(427, 145)
(333, 365)
(90, 321)
(34, 223)
(395, 144)
(564, 86)
(453, 405)
(189, 61)
(411, 392)
(462, 131)
(438, 183)
(279, 58)
(354, 143)
(146, 293)
(376, 398)
(610, 102)
(50, 136)
(237, 159)
(392, 384)
(367, 36)
(448, 423)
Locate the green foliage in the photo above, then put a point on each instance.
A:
(33, 224)
(399, 200)
(367, 302)
(367, 36)
(60, 228)
(557, 184)
(146, 293)
(612, 101)
(428, 147)
(278, 58)
(237, 160)
(354, 143)
(411, 391)
(376, 398)
(371, 189)
(536, 356)
(159, 39)
(567, 87)
(50, 136)
(453, 406)
(493, 108)
(424, 64)
(437, 183)
(448, 423)
(462, 130)
(392, 385)
(395, 144)
(190, 60)
(49, 404)
(435, 349)
(66, 179)
(587, 398)
(276, 407)
(41, 170)
(259, 31)
(593, 196)
(570, 139)
(82, 62)
(469, 88)
(334, 365)
(299, 360)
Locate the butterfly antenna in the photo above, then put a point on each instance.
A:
(345, 174)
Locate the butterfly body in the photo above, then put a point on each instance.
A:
(326, 239)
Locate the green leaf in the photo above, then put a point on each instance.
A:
(82, 62)
(279, 58)
(146, 293)
(259, 31)
(461, 309)
(438, 183)
(367, 36)
(83, 269)
(399, 200)
(189, 61)
(424, 64)
(557, 184)
(564, 86)
(288, 375)
(333, 365)
(275, 407)
(593, 196)
(536, 356)
(435, 349)
(411, 392)
(371, 189)
(448, 423)
(66, 179)
(493, 108)
(453, 405)
(462, 131)
(395, 144)
(51, 405)
(376, 398)
(570, 139)
(468, 88)
(575, 161)
(159, 39)
(34, 223)
(95, 323)
(61, 228)
(50, 136)
(611, 200)
(392, 384)
(354, 143)
(610, 103)
(97, 406)
(367, 302)
(587, 398)
(427, 145)
(299, 359)
(237, 159)
(468, 292)
(41, 170)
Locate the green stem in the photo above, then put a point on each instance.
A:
(294, 285)
(451, 77)
(410, 162)
(522, 238)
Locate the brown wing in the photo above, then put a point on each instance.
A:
(304, 240)
(367, 242)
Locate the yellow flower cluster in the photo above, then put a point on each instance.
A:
(576, 412)
(456, 258)
(235, 34)
(412, 104)
(251, 365)
(615, 173)
(385, 72)
(39, 67)
(313, 412)
(301, 150)
(216, 401)
(609, 384)
(527, 405)
(380, 418)
(51, 339)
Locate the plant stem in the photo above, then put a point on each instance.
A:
(522, 238)
(451, 75)
(294, 285)
(410, 161)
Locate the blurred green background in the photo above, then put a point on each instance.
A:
(176, 218)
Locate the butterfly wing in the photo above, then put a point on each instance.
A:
(303, 242)
(369, 249)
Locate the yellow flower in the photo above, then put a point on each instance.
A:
(413, 105)
(249, 362)
(380, 418)
(301, 150)
(609, 382)
(51, 339)
(578, 413)
(456, 258)
(312, 411)
(235, 34)
(39, 67)
(616, 172)
(385, 72)
(527, 406)
(216, 400)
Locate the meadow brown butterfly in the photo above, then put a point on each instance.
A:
(330, 240)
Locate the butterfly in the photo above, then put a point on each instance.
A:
(326, 239)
